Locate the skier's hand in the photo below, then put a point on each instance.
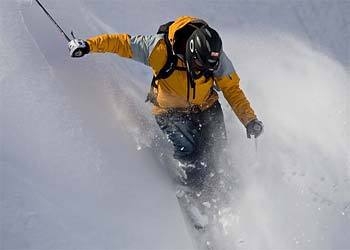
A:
(78, 48)
(254, 127)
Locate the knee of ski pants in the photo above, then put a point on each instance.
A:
(182, 136)
(183, 142)
(184, 150)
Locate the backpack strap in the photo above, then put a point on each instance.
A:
(171, 61)
(169, 66)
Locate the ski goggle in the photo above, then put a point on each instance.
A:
(198, 64)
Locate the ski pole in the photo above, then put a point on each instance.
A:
(256, 128)
(48, 14)
(256, 144)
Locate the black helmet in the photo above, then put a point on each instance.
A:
(203, 49)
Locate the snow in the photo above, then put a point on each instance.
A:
(76, 167)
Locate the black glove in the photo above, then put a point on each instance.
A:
(254, 127)
(78, 48)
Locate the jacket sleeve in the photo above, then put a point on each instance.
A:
(228, 81)
(112, 43)
(138, 48)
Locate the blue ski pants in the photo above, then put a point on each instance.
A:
(196, 137)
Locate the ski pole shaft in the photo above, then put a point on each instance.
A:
(48, 14)
(256, 145)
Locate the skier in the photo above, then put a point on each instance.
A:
(189, 66)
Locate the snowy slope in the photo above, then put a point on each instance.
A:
(76, 171)
(71, 177)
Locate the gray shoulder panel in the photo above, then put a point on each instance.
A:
(225, 66)
(142, 46)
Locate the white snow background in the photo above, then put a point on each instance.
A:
(76, 167)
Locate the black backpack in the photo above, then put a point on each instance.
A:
(170, 65)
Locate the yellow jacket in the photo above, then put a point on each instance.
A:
(172, 92)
